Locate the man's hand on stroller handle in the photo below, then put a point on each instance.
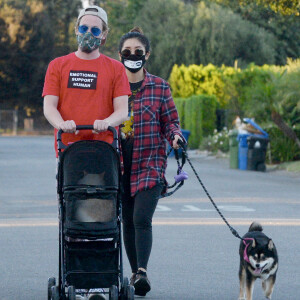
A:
(69, 126)
(100, 125)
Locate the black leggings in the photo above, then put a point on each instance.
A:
(137, 215)
(137, 226)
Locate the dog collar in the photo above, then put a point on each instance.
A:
(246, 258)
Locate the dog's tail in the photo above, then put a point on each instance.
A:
(255, 227)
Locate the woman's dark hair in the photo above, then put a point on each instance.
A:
(135, 33)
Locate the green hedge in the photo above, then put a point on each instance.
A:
(282, 148)
(193, 120)
(254, 92)
(179, 102)
(198, 115)
(209, 117)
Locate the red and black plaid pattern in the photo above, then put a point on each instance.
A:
(155, 119)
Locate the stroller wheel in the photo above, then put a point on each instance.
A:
(54, 293)
(124, 287)
(51, 283)
(113, 293)
(130, 292)
(71, 293)
(125, 282)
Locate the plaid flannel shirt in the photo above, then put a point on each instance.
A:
(155, 119)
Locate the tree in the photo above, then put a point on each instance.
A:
(285, 27)
(285, 7)
(62, 17)
(38, 31)
(6, 74)
(201, 35)
(121, 15)
(277, 99)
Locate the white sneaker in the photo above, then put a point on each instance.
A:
(81, 294)
(96, 294)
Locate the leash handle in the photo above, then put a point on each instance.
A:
(182, 144)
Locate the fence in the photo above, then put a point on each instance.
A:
(15, 122)
(9, 121)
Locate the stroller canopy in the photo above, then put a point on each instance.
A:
(90, 163)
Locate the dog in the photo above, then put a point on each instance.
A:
(92, 179)
(94, 209)
(258, 259)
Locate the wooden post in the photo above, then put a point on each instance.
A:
(28, 124)
(15, 122)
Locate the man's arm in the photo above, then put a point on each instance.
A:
(54, 117)
(119, 115)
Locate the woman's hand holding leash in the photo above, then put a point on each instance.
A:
(176, 142)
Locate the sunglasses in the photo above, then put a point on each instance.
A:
(94, 30)
(126, 53)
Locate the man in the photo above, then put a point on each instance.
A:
(86, 88)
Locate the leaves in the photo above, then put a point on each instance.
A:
(36, 32)
(203, 34)
(258, 92)
(285, 7)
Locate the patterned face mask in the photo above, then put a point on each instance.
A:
(88, 43)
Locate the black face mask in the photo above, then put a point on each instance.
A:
(134, 63)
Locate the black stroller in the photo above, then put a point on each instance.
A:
(90, 244)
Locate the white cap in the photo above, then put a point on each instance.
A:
(94, 11)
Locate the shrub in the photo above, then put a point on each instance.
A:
(200, 80)
(269, 94)
(282, 148)
(193, 120)
(209, 117)
(180, 102)
(216, 141)
(198, 115)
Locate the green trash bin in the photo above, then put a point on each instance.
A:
(233, 149)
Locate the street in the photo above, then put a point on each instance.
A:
(194, 255)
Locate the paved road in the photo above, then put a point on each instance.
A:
(194, 254)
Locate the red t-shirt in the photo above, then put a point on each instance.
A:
(86, 89)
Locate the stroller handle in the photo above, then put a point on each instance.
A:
(61, 145)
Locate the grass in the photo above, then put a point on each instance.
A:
(293, 166)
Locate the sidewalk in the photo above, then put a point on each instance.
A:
(29, 133)
(291, 168)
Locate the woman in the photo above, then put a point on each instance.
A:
(152, 119)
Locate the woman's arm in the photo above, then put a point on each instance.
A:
(169, 119)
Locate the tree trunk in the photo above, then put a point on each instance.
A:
(276, 117)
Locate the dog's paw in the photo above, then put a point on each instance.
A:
(268, 296)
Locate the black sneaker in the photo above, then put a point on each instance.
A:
(142, 284)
